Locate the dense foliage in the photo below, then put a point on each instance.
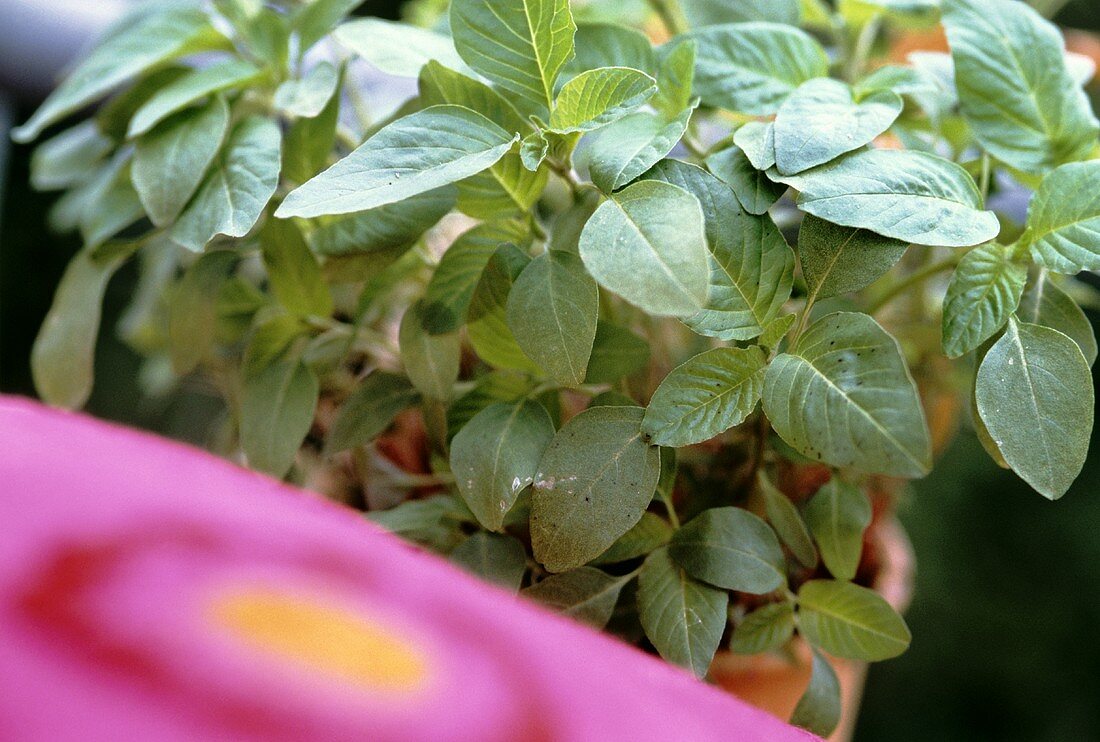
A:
(568, 221)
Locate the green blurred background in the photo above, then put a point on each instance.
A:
(1007, 608)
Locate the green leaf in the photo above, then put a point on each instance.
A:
(705, 396)
(822, 120)
(369, 410)
(595, 480)
(507, 189)
(495, 386)
(496, 455)
(598, 97)
(309, 141)
(837, 260)
(1034, 394)
(650, 533)
(1020, 100)
(433, 521)
(440, 85)
(648, 245)
(451, 288)
(585, 594)
(397, 48)
(1044, 303)
(277, 407)
(911, 196)
(273, 335)
(1064, 219)
(292, 270)
(984, 292)
(383, 229)
(314, 20)
(136, 46)
(843, 395)
(190, 88)
(754, 191)
(732, 549)
(431, 361)
(192, 311)
(709, 13)
(112, 203)
(488, 327)
(493, 557)
(850, 621)
(533, 150)
(520, 45)
(764, 630)
(788, 524)
(170, 161)
(819, 709)
(683, 618)
(616, 352)
(307, 96)
(776, 331)
(757, 140)
(235, 192)
(751, 68)
(624, 149)
(675, 78)
(551, 312)
(415, 154)
(63, 357)
(608, 45)
(837, 516)
(66, 159)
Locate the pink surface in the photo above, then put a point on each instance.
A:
(114, 545)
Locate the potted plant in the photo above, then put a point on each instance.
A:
(646, 315)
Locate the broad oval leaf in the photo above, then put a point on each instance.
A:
(595, 480)
(64, 160)
(850, 621)
(709, 13)
(192, 309)
(764, 630)
(383, 229)
(907, 195)
(277, 407)
(837, 260)
(751, 68)
(521, 45)
(757, 140)
(1064, 219)
(754, 190)
(496, 455)
(819, 708)
(682, 617)
(787, 522)
(487, 315)
(983, 293)
(822, 120)
(1034, 394)
(233, 195)
(551, 312)
(440, 85)
(399, 49)
(648, 245)
(307, 96)
(170, 161)
(650, 533)
(192, 87)
(705, 396)
(135, 46)
(369, 410)
(293, 274)
(1044, 303)
(837, 515)
(415, 154)
(616, 352)
(431, 361)
(843, 395)
(609, 45)
(63, 357)
(598, 97)
(1015, 90)
(493, 557)
(624, 149)
(730, 548)
(586, 594)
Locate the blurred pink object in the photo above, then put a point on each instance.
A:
(150, 591)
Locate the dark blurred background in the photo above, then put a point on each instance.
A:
(1007, 609)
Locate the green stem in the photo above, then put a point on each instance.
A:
(911, 280)
(865, 42)
(986, 177)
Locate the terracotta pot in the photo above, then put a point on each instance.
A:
(775, 683)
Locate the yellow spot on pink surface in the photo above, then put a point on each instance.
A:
(339, 641)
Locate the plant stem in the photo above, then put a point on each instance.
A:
(987, 174)
(912, 280)
(865, 42)
(671, 15)
(673, 518)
